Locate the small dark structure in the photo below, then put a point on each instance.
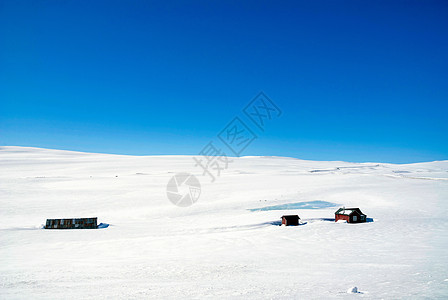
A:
(77, 223)
(290, 220)
(351, 215)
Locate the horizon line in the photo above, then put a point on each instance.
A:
(260, 156)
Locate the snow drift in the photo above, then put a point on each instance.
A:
(226, 245)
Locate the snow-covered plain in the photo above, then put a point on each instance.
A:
(228, 244)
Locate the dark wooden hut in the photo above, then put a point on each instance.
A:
(76, 223)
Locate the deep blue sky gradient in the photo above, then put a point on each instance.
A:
(356, 80)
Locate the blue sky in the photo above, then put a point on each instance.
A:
(355, 80)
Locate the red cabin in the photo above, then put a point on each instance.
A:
(351, 215)
(290, 220)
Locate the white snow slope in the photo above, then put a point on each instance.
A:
(219, 247)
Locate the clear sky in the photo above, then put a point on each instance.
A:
(355, 80)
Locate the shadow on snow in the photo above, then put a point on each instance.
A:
(313, 220)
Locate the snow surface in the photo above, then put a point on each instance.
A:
(346, 212)
(228, 244)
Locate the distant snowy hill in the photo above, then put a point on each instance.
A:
(228, 245)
